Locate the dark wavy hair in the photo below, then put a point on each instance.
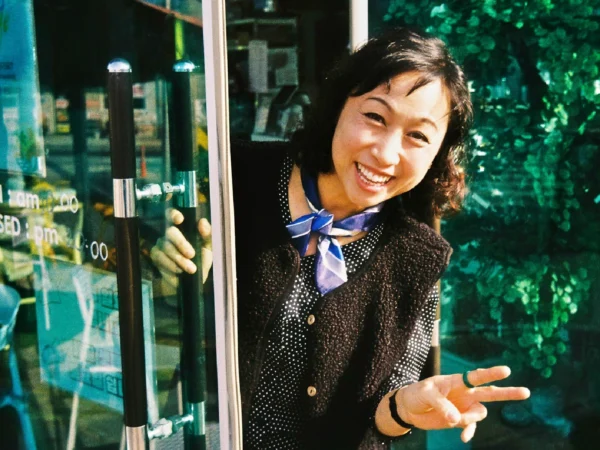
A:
(395, 52)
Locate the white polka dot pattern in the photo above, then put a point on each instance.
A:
(408, 369)
(275, 422)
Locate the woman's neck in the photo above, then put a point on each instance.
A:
(299, 207)
(333, 198)
(330, 196)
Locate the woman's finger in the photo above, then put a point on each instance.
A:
(163, 262)
(176, 238)
(174, 253)
(207, 260)
(205, 230)
(468, 433)
(174, 216)
(482, 376)
(444, 407)
(476, 413)
(499, 394)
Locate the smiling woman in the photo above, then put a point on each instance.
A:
(421, 62)
(337, 267)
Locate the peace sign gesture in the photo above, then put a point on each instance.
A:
(445, 401)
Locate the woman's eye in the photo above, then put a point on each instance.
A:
(376, 117)
(419, 136)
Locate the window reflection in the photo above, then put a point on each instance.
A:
(21, 142)
(57, 252)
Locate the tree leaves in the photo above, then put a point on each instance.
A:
(488, 43)
(534, 68)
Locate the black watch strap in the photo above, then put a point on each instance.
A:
(394, 412)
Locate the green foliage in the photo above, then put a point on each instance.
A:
(534, 71)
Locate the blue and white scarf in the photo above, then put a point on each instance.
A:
(330, 268)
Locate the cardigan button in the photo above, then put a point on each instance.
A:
(312, 391)
(311, 319)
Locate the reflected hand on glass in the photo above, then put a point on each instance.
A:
(444, 401)
(172, 253)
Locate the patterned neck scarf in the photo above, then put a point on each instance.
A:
(330, 268)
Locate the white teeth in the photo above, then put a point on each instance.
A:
(372, 177)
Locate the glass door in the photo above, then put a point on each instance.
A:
(61, 316)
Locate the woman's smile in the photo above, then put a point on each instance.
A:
(371, 180)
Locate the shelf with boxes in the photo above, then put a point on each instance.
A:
(264, 77)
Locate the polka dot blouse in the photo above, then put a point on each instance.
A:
(275, 420)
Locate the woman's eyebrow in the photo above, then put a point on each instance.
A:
(424, 119)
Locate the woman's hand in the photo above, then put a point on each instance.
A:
(172, 253)
(444, 401)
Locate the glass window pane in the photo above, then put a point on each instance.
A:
(522, 286)
(60, 366)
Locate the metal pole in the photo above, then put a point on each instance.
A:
(359, 23)
(129, 284)
(185, 151)
(215, 53)
(436, 348)
(433, 363)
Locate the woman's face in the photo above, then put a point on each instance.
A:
(384, 143)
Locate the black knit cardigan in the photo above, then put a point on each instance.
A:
(362, 328)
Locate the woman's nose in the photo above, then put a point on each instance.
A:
(387, 152)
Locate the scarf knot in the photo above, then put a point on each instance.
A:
(330, 267)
